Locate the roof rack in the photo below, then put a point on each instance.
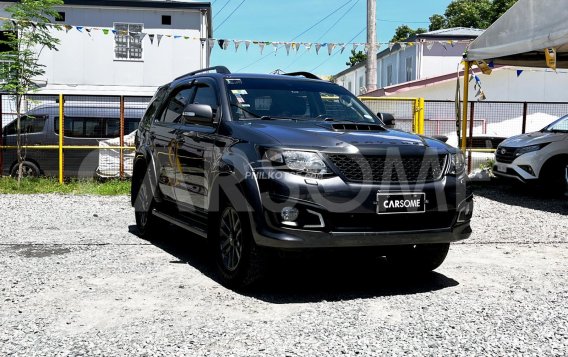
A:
(304, 74)
(218, 69)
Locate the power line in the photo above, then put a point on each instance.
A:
(231, 14)
(325, 33)
(336, 52)
(404, 22)
(222, 8)
(311, 27)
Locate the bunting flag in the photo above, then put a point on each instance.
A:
(318, 47)
(342, 47)
(519, 71)
(430, 45)
(308, 46)
(247, 44)
(391, 45)
(237, 44)
(67, 28)
(287, 45)
(105, 31)
(211, 44)
(330, 48)
(550, 54)
(261, 45)
(402, 45)
(355, 45)
(151, 37)
(275, 46)
(159, 38)
(79, 28)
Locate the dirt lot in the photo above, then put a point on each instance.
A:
(76, 280)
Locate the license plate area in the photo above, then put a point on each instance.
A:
(397, 203)
(501, 168)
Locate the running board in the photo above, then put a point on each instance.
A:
(179, 223)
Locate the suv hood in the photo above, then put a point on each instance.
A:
(533, 139)
(321, 136)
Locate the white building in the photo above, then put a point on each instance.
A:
(431, 54)
(91, 62)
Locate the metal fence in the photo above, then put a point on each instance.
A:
(71, 135)
(490, 122)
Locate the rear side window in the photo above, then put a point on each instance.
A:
(92, 127)
(155, 103)
(176, 104)
(29, 125)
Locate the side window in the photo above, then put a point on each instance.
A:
(174, 109)
(206, 95)
(29, 125)
(154, 105)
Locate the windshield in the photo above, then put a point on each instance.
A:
(259, 98)
(560, 126)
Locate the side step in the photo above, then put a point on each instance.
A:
(179, 223)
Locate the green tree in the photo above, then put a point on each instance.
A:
(470, 13)
(499, 7)
(437, 22)
(356, 57)
(404, 32)
(28, 33)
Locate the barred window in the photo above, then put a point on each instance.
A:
(128, 41)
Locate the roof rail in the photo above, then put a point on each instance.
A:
(305, 74)
(218, 69)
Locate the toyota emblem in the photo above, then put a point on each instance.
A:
(503, 151)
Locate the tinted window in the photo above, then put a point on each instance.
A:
(29, 125)
(155, 103)
(206, 95)
(174, 108)
(83, 127)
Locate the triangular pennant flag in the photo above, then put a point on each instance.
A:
(443, 45)
(391, 45)
(237, 43)
(519, 71)
(550, 54)
(275, 47)
(342, 47)
(355, 45)
(142, 35)
(151, 37)
(79, 28)
(330, 47)
(429, 45)
(287, 45)
(177, 36)
(307, 45)
(410, 44)
(261, 46)
(295, 46)
(247, 44)
(88, 30)
(186, 37)
(114, 32)
(221, 43)
(402, 45)
(478, 93)
(159, 38)
(482, 96)
(105, 31)
(202, 40)
(451, 43)
(318, 46)
(211, 44)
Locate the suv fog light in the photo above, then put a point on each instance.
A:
(528, 169)
(466, 212)
(289, 214)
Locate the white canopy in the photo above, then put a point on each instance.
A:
(520, 36)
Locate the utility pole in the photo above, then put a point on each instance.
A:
(371, 69)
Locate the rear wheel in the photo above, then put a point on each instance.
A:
(29, 169)
(237, 258)
(143, 199)
(420, 258)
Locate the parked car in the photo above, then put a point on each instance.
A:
(542, 155)
(489, 142)
(253, 162)
(85, 125)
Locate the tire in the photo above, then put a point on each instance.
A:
(553, 175)
(238, 260)
(29, 169)
(418, 259)
(143, 201)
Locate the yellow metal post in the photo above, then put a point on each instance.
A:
(421, 116)
(464, 105)
(61, 138)
(415, 118)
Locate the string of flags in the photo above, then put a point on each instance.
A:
(226, 44)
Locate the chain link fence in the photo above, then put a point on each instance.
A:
(97, 138)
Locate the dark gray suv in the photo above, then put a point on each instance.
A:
(256, 163)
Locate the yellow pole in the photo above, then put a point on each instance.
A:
(465, 104)
(421, 115)
(415, 119)
(61, 138)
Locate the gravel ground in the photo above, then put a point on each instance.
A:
(77, 281)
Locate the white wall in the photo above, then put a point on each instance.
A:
(86, 63)
(503, 85)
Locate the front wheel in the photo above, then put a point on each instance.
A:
(143, 200)
(237, 258)
(420, 258)
(29, 169)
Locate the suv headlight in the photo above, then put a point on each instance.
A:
(299, 161)
(457, 164)
(527, 149)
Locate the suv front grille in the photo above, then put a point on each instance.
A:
(505, 155)
(359, 168)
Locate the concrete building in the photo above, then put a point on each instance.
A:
(92, 62)
(431, 55)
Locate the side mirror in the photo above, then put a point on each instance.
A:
(197, 114)
(388, 119)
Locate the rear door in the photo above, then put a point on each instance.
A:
(164, 133)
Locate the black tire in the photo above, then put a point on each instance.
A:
(418, 259)
(553, 175)
(29, 169)
(143, 200)
(238, 260)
